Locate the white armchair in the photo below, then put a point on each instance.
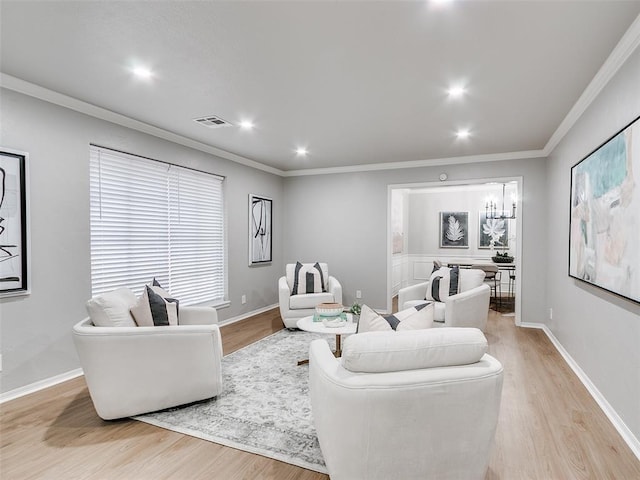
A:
(132, 370)
(469, 308)
(294, 307)
(406, 405)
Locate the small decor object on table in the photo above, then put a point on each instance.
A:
(355, 310)
(329, 311)
(334, 322)
(502, 258)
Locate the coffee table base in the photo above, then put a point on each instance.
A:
(337, 353)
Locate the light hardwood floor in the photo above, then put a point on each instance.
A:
(549, 427)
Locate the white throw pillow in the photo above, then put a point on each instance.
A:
(443, 283)
(414, 318)
(111, 309)
(152, 309)
(156, 287)
(470, 278)
(290, 271)
(377, 352)
(308, 278)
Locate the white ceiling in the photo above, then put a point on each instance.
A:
(355, 82)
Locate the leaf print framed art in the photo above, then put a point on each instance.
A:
(493, 232)
(454, 229)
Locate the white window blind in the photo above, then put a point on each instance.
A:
(151, 219)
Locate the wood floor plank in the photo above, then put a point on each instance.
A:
(549, 427)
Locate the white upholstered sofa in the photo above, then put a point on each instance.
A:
(132, 370)
(406, 405)
(468, 308)
(295, 305)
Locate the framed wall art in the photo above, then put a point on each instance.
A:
(454, 229)
(260, 230)
(605, 215)
(14, 231)
(492, 233)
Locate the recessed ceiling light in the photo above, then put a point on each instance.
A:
(246, 124)
(456, 91)
(143, 73)
(301, 151)
(463, 133)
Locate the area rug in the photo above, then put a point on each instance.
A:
(264, 408)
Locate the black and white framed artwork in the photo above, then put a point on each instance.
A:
(260, 229)
(493, 232)
(454, 229)
(14, 245)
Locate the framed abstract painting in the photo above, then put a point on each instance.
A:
(14, 231)
(260, 230)
(604, 231)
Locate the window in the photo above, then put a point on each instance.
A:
(152, 219)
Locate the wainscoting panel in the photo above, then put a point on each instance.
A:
(399, 272)
(422, 270)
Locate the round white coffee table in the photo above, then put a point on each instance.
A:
(308, 325)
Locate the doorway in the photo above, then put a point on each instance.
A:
(420, 215)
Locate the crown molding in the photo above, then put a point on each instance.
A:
(490, 157)
(619, 55)
(21, 86)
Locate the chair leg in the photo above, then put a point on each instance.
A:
(494, 297)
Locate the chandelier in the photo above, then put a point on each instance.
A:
(492, 212)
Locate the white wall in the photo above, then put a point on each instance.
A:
(342, 219)
(36, 330)
(599, 330)
(424, 209)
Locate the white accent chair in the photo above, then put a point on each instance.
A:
(132, 370)
(294, 307)
(469, 308)
(406, 405)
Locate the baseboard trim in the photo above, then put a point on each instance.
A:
(244, 316)
(40, 385)
(627, 435)
(532, 325)
(63, 377)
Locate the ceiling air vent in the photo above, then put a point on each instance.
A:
(213, 121)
